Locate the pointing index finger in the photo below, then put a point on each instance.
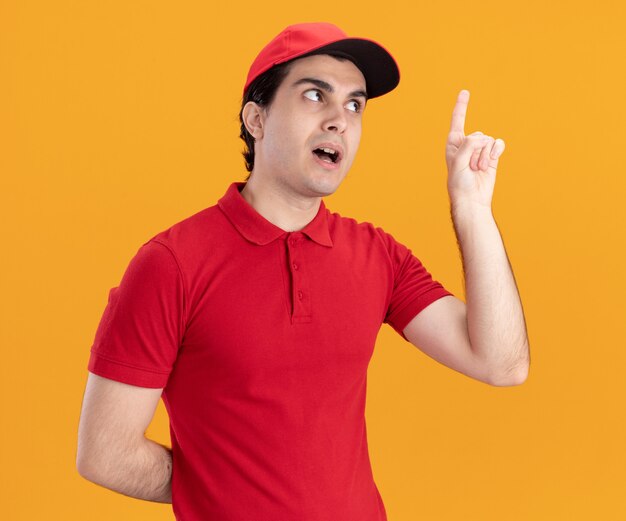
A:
(458, 114)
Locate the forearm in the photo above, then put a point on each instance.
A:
(142, 470)
(495, 318)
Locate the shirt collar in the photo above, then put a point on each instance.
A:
(257, 229)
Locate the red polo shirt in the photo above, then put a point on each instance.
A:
(261, 339)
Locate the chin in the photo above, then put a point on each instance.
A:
(323, 187)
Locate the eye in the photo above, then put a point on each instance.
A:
(357, 106)
(312, 93)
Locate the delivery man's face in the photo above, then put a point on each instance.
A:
(311, 131)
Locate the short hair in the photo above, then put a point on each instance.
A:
(262, 92)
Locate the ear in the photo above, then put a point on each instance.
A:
(253, 118)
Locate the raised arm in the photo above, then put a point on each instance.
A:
(112, 448)
(486, 338)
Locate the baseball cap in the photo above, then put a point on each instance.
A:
(378, 67)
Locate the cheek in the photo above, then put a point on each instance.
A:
(287, 140)
(283, 144)
(355, 140)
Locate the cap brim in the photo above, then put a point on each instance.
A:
(380, 70)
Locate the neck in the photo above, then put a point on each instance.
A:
(285, 209)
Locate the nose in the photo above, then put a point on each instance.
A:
(335, 120)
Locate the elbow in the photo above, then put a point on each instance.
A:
(95, 471)
(90, 464)
(83, 471)
(84, 466)
(80, 460)
(511, 377)
(514, 373)
(83, 459)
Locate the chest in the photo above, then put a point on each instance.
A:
(299, 310)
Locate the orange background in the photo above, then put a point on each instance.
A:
(118, 119)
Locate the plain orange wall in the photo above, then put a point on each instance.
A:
(119, 118)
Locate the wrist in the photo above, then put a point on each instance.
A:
(467, 210)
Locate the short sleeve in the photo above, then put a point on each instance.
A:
(142, 326)
(413, 286)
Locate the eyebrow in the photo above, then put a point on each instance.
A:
(328, 87)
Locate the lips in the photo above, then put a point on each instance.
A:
(330, 153)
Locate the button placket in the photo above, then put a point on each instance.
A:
(300, 300)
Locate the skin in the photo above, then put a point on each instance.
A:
(287, 183)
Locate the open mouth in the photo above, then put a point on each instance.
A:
(327, 154)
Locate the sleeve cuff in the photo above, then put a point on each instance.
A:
(402, 317)
(121, 372)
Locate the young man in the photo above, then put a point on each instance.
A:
(255, 319)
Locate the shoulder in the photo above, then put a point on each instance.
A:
(363, 232)
(191, 231)
(343, 225)
(187, 242)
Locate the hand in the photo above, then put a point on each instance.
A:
(472, 160)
